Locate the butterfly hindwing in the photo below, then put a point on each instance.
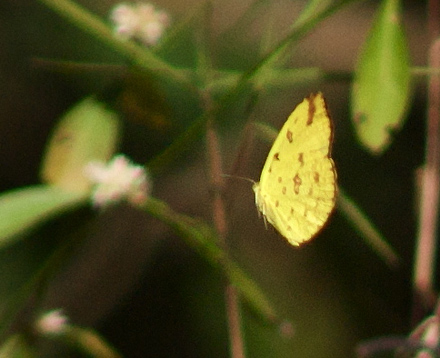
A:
(297, 188)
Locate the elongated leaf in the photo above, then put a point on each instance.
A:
(91, 343)
(381, 88)
(364, 226)
(23, 209)
(15, 347)
(310, 10)
(97, 27)
(87, 132)
(202, 238)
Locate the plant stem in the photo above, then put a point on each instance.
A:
(363, 224)
(139, 55)
(201, 237)
(426, 246)
(236, 342)
(219, 218)
(432, 19)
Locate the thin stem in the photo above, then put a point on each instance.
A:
(137, 54)
(234, 322)
(232, 299)
(363, 224)
(219, 217)
(201, 237)
(426, 242)
(217, 182)
(433, 16)
(38, 281)
(390, 344)
(177, 148)
(90, 342)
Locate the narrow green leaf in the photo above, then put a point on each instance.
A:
(23, 209)
(363, 225)
(87, 132)
(103, 32)
(310, 10)
(265, 132)
(193, 132)
(15, 347)
(202, 238)
(382, 81)
(90, 342)
(203, 38)
(274, 79)
(246, 20)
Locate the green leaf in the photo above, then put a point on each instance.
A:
(103, 32)
(382, 81)
(364, 226)
(87, 132)
(23, 209)
(273, 79)
(15, 347)
(90, 342)
(203, 239)
(310, 10)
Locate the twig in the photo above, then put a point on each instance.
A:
(426, 241)
(138, 55)
(433, 16)
(219, 218)
(234, 321)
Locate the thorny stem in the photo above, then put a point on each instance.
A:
(219, 218)
(426, 242)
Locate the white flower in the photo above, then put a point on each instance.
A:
(125, 19)
(118, 180)
(141, 21)
(52, 322)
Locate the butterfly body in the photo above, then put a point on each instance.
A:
(297, 188)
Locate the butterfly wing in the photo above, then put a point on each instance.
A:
(297, 188)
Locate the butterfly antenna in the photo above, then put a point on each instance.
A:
(238, 177)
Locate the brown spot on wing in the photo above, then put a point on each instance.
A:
(284, 190)
(277, 203)
(301, 158)
(296, 184)
(280, 179)
(312, 110)
(276, 156)
(289, 136)
(316, 177)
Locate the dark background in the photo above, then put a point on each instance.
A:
(142, 287)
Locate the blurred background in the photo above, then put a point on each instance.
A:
(130, 277)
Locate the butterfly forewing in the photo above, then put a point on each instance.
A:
(297, 187)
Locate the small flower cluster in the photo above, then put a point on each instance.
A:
(141, 21)
(118, 180)
(53, 322)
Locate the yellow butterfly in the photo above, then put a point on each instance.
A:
(297, 188)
